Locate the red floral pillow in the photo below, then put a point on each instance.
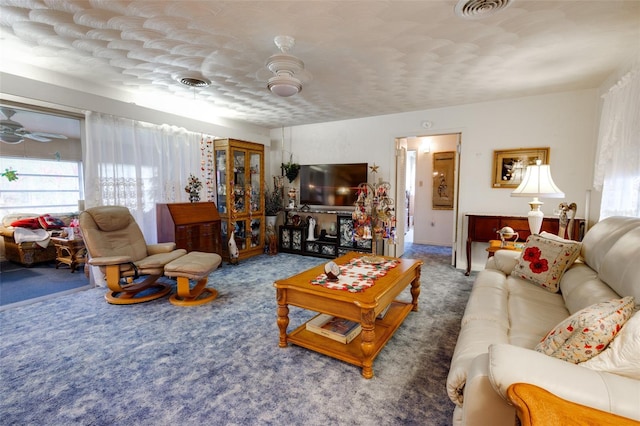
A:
(544, 259)
(28, 222)
(50, 222)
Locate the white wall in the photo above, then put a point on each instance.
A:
(566, 122)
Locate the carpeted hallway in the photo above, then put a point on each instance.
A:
(76, 360)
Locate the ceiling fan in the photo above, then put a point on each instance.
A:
(286, 72)
(12, 132)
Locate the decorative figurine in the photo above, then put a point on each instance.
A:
(312, 226)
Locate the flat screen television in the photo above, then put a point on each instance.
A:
(331, 184)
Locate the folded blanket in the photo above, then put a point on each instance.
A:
(39, 236)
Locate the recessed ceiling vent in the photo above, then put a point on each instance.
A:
(478, 9)
(192, 80)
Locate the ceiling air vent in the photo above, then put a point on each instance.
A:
(477, 9)
(193, 81)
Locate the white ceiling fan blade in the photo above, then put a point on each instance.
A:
(46, 135)
(36, 137)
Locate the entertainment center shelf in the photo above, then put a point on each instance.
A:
(332, 236)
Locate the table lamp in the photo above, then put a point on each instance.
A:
(537, 182)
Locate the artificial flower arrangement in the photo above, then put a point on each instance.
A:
(193, 188)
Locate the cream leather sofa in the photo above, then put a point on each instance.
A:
(506, 317)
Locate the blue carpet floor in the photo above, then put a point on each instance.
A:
(76, 360)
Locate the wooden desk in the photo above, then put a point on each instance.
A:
(192, 226)
(483, 228)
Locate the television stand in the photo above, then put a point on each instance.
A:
(332, 237)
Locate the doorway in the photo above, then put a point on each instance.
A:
(420, 219)
(410, 196)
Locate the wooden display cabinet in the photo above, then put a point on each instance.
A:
(192, 226)
(240, 195)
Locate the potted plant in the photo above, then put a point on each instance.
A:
(290, 169)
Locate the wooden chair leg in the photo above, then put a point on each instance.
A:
(144, 291)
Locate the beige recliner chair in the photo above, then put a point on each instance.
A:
(116, 244)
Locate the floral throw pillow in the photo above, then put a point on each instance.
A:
(587, 332)
(544, 259)
(622, 356)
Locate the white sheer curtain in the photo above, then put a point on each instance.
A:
(617, 169)
(137, 165)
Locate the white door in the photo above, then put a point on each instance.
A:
(401, 205)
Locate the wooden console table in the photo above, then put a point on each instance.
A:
(483, 228)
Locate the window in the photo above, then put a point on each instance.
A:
(43, 186)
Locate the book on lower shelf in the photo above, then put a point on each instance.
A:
(382, 314)
(338, 329)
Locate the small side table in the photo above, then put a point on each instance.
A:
(70, 252)
(495, 245)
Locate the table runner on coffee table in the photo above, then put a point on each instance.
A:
(356, 275)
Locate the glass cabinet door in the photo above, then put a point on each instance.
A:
(255, 179)
(241, 235)
(221, 179)
(255, 232)
(239, 182)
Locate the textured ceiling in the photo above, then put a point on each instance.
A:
(366, 58)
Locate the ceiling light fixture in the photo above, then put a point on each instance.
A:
(284, 66)
(284, 85)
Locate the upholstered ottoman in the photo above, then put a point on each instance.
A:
(193, 266)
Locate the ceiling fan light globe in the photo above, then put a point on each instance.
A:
(284, 86)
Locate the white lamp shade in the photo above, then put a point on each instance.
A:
(537, 182)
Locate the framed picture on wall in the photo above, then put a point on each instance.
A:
(443, 169)
(509, 165)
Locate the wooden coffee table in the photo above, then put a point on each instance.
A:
(362, 307)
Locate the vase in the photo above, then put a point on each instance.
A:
(194, 197)
(233, 249)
